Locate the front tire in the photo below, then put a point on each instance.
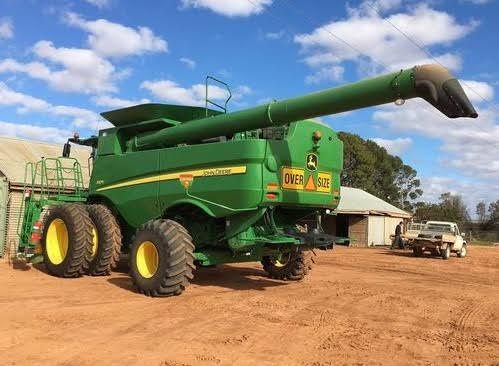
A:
(106, 246)
(446, 252)
(462, 253)
(292, 266)
(161, 258)
(67, 240)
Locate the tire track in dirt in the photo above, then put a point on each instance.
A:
(465, 337)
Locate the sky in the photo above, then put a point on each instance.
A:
(63, 62)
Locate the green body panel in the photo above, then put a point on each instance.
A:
(218, 195)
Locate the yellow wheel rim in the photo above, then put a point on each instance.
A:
(147, 259)
(57, 241)
(95, 241)
(282, 260)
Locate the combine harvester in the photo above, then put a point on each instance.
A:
(175, 186)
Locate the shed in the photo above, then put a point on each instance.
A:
(364, 218)
(14, 154)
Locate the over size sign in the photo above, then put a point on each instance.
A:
(294, 178)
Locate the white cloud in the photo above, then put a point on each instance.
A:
(478, 2)
(191, 64)
(10, 97)
(396, 146)
(374, 6)
(170, 91)
(327, 73)
(99, 3)
(275, 35)
(379, 42)
(477, 91)
(232, 8)
(110, 39)
(470, 146)
(77, 70)
(25, 103)
(34, 132)
(6, 28)
(114, 102)
(471, 192)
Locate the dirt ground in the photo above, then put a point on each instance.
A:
(357, 306)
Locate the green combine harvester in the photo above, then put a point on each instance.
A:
(178, 186)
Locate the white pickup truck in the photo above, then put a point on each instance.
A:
(440, 238)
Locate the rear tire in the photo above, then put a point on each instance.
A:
(67, 240)
(446, 252)
(292, 266)
(462, 253)
(106, 246)
(161, 258)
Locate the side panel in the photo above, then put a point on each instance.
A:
(376, 230)
(13, 209)
(390, 225)
(4, 196)
(307, 174)
(226, 176)
(358, 230)
(120, 178)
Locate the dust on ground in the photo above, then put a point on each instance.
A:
(363, 306)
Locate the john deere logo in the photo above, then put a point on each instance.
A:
(312, 162)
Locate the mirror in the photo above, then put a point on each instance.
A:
(66, 151)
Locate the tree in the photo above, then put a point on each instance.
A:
(481, 212)
(449, 208)
(494, 212)
(369, 166)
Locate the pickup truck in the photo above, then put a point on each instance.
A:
(440, 238)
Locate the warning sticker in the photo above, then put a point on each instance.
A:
(186, 180)
(324, 182)
(293, 178)
(310, 186)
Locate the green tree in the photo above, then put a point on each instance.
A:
(368, 166)
(494, 212)
(449, 208)
(481, 212)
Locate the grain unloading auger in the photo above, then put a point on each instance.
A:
(176, 186)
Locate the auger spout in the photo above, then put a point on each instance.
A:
(430, 82)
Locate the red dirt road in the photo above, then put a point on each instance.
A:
(365, 306)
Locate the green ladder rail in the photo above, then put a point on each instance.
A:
(46, 182)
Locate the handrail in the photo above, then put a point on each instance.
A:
(208, 101)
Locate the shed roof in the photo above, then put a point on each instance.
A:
(15, 153)
(357, 201)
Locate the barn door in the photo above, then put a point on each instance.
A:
(376, 230)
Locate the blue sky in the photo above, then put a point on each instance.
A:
(63, 62)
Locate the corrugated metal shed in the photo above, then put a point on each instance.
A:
(358, 202)
(15, 153)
